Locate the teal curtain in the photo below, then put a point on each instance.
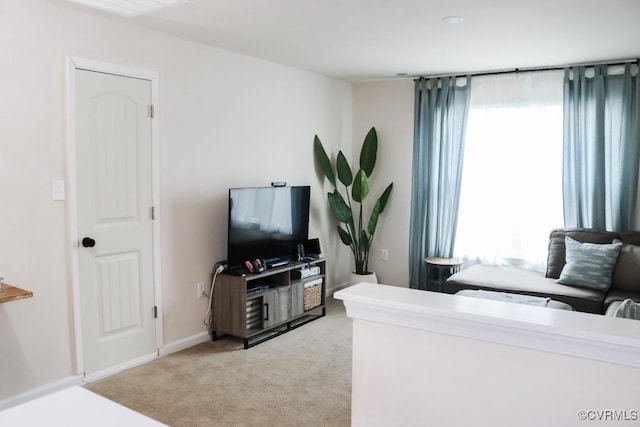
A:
(441, 108)
(601, 147)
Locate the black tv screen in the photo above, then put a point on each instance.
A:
(266, 222)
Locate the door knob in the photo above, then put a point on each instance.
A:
(88, 242)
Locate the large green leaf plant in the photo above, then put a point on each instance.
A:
(353, 231)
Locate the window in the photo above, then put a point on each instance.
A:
(511, 195)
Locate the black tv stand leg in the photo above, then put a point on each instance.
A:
(215, 336)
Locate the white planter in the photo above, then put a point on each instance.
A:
(357, 278)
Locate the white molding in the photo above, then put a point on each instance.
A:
(73, 64)
(119, 368)
(155, 190)
(570, 333)
(185, 343)
(335, 289)
(41, 391)
(72, 215)
(110, 68)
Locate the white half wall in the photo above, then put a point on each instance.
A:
(423, 358)
(226, 120)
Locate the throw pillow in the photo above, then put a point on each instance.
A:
(589, 265)
(626, 275)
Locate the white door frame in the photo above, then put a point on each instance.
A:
(73, 64)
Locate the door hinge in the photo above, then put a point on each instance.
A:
(155, 311)
(153, 212)
(151, 112)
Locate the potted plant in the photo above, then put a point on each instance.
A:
(346, 205)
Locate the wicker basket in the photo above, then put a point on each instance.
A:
(312, 295)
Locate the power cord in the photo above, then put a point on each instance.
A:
(208, 316)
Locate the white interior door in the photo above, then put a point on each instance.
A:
(114, 199)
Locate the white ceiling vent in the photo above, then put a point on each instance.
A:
(129, 7)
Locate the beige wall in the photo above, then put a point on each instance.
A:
(226, 120)
(388, 106)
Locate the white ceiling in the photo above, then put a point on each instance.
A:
(370, 39)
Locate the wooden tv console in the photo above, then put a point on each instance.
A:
(258, 307)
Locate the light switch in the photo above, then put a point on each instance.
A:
(57, 189)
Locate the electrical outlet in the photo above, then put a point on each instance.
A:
(384, 254)
(201, 291)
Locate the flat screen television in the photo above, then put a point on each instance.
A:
(266, 222)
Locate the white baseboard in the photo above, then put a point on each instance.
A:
(41, 391)
(163, 351)
(337, 288)
(119, 368)
(79, 380)
(184, 343)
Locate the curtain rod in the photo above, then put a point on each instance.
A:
(524, 70)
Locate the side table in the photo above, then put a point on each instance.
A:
(441, 268)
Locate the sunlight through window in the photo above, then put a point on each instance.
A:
(511, 196)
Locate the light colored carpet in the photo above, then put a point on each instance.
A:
(301, 378)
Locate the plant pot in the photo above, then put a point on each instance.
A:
(357, 278)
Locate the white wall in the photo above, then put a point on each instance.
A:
(226, 120)
(430, 359)
(388, 106)
(426, 378)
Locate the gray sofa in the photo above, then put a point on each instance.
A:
(625, 281)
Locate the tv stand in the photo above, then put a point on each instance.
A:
(259, 307)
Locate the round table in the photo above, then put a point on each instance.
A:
(443, 267)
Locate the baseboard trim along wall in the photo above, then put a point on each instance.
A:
(79, 380)
(184, 343)
(337, 288)
(201, 337)
(41, 391)
(119, 368)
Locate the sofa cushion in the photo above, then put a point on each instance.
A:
(556, 256)
(626, 275)
(519, 281)
(589, 265)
